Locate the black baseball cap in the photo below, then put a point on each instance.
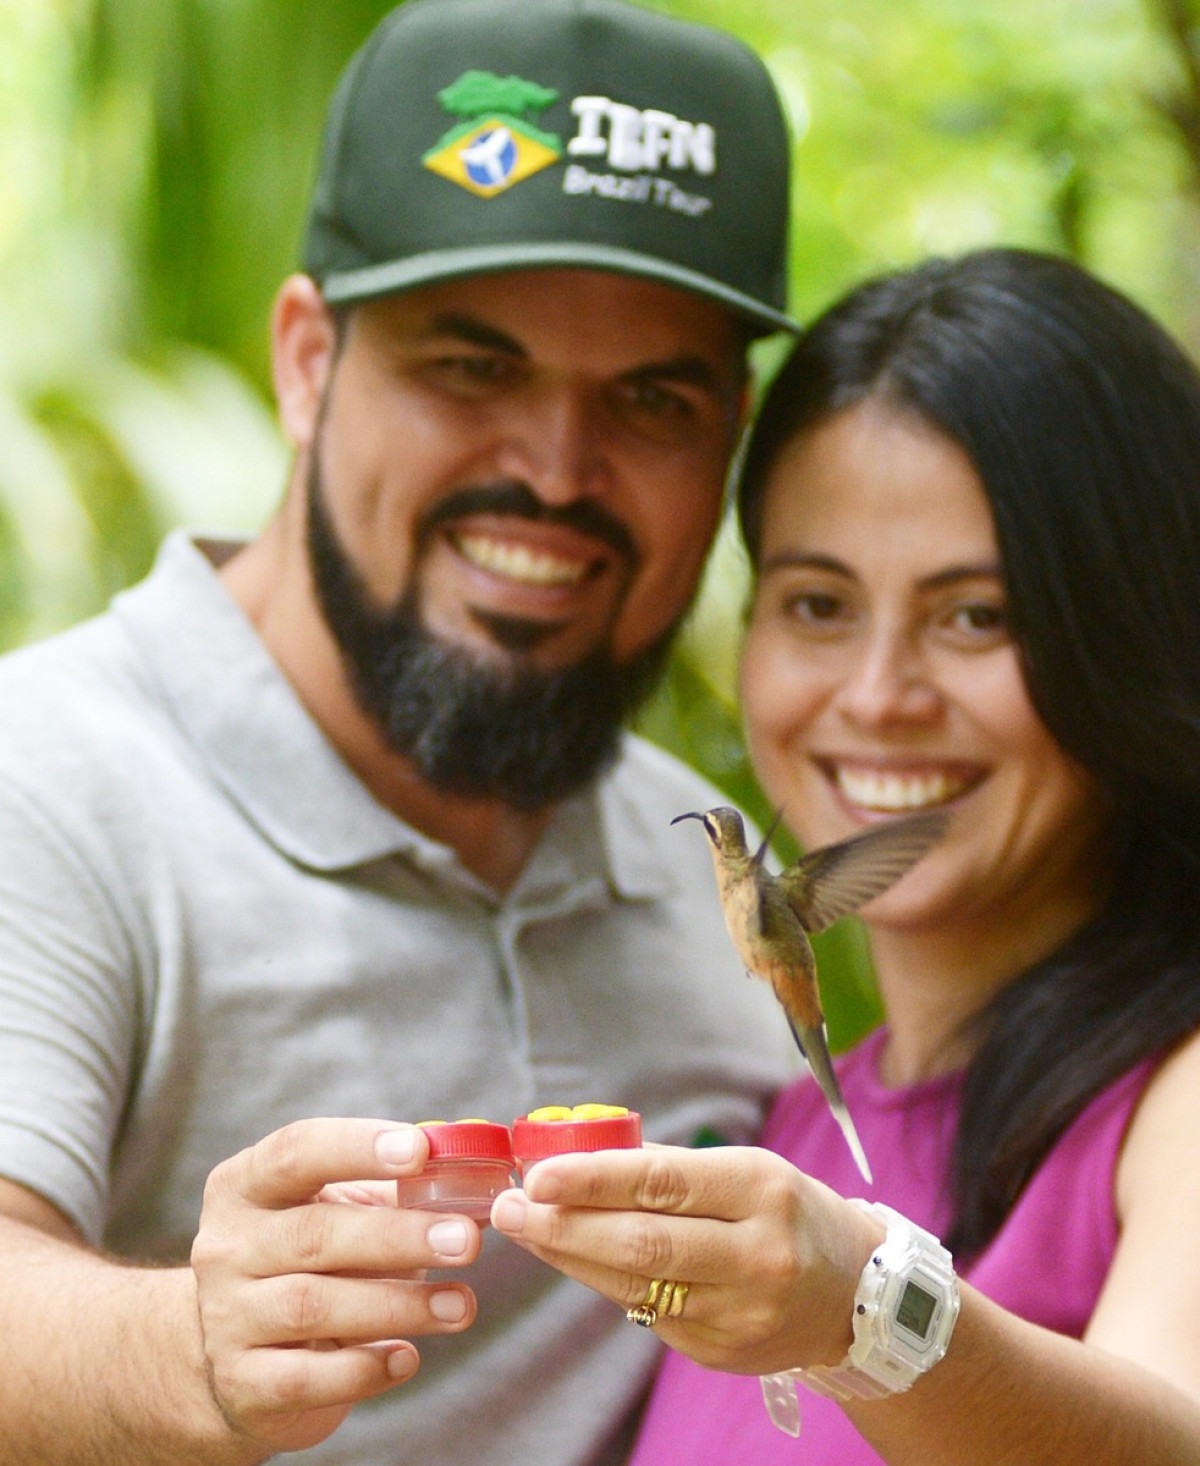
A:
(473, 136)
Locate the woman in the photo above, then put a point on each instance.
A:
(972, 503)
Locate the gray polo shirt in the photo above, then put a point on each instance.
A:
(209, 927)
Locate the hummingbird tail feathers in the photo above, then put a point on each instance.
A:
(814, 1045)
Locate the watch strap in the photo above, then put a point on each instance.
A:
(875, 1366)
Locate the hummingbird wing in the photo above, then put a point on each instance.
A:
(836, 880)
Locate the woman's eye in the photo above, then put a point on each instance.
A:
(979, 620)
(815, 607)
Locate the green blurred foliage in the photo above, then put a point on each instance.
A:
(155, 157)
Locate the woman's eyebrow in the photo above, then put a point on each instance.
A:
(812, 560)
(804, 560)
(953, 574)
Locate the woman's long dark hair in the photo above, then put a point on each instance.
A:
(1082, 418)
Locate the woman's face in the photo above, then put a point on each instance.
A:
(879, 678)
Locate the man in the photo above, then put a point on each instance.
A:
(340, 823)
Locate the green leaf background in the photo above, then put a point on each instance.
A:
(155, 157)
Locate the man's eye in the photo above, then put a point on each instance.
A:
(469, 373)
(649, 399)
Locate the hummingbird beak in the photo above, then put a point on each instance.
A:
(691, 815)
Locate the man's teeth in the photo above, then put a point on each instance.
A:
(874, 789)
(519, 562)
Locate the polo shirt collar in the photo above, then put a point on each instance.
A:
(261, 745)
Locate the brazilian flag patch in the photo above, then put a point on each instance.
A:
(495, 143)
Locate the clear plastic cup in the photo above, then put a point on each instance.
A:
(470, 1163)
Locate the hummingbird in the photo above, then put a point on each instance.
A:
(770, 917)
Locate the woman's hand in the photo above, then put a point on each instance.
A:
(771, 1257)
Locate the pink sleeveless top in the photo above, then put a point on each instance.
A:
(1047, 1263)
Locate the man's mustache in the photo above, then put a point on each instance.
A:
(513, 498)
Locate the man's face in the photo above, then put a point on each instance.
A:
(524, 471)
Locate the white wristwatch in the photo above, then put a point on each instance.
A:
(905, 1309)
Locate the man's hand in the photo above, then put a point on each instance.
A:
(309, 1289)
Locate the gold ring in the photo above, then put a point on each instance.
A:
(662, 1297)
(674, 1307)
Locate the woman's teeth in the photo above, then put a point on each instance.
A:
(519, 562)
(887, 791)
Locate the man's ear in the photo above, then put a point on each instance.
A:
(303, 350)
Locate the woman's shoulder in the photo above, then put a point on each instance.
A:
(1152, 1292)
(1156, 1150)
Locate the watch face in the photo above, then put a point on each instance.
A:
(914, 1312)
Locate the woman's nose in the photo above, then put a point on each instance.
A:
(889, 683)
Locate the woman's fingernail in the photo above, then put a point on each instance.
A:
(508, 1212)
(395, 1147)
(448, 1307)
(448, 1238)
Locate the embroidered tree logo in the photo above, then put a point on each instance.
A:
(482, 93)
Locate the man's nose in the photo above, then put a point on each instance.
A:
(554, 442)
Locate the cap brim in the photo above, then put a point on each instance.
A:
(346, 286)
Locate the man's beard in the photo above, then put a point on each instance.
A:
(525, 737)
